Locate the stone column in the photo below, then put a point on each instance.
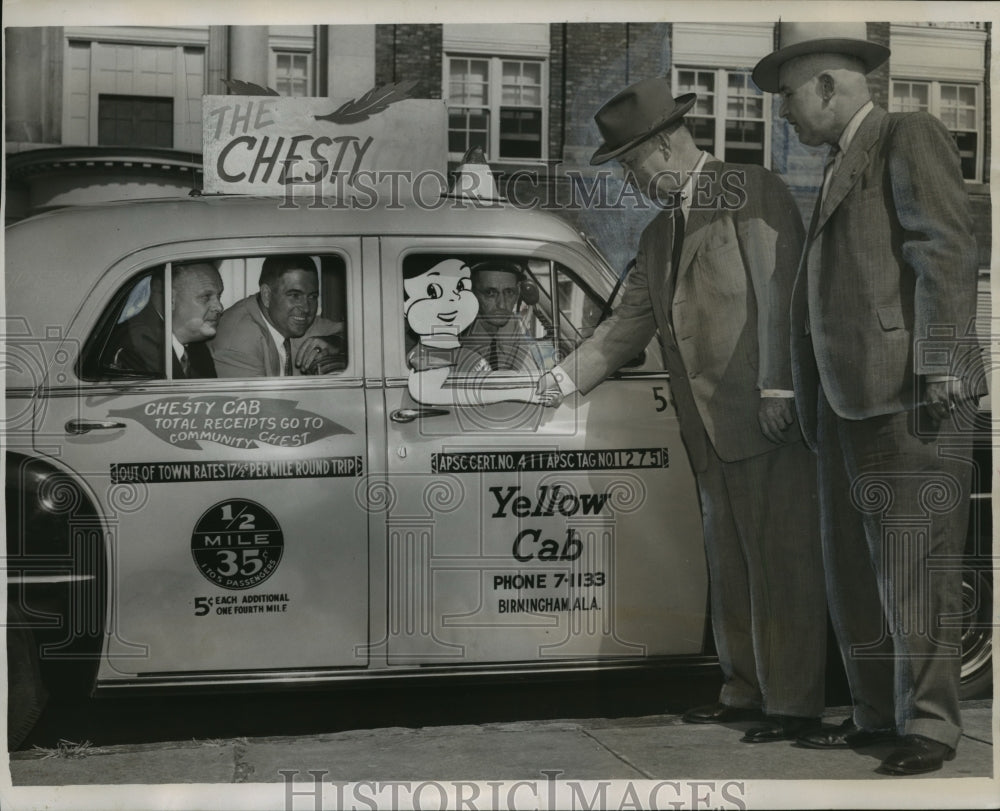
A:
(249, 53)
(217, 60)
(350, 60)
(34, 82)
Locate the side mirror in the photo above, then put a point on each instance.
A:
(529, 293)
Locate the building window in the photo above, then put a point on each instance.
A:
(135, 121)
(292, 73)
(728, 119)
(958, 107)
(498, 104)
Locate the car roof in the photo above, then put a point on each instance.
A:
(53, 259)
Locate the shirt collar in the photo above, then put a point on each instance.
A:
(688, 187)
(179, 348)
(277, 337)
(847, 136)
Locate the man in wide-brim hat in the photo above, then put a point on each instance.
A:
(713, 276)
(884, 296)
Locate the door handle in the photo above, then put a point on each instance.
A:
(410, 414)
(85, 426)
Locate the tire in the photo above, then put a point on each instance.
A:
(26, 694)
(977, 635)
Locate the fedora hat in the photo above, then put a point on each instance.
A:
(799, 39)
(637, 113)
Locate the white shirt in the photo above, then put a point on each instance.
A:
(279, 341)
(566, 384)
(179, 348)
(844, 143)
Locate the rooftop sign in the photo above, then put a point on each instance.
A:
(380, 143)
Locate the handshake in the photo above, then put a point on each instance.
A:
(548, 392)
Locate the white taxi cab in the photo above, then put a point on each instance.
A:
(170, 531)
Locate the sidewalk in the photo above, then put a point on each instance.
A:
(651, 747)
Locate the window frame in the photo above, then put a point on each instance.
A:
(934, 108)
(494, 83)
(88, 364)
(166, 102)
(284, 50)
(721, 97)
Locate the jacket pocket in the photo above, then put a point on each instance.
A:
(891, 318)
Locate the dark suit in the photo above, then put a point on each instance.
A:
(886, 285)
(137, 346)
(722, 317)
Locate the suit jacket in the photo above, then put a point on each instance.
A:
(886, 289)
(137, 345)
(243, 346)
(724, 328)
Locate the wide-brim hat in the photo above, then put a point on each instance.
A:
(637, 113)
(799, 39)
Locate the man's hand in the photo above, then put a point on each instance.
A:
(940, 398)
(548, 390)
(320, 355)
(776, 416)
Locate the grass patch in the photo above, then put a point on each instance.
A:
(67, 749)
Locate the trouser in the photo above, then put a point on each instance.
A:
(895, 507)
(766, 579)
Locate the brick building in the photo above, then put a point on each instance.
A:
(94, 112)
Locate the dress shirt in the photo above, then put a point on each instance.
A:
(279, 341)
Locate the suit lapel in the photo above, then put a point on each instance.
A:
(700, 216)
(852, 166)
(272, 361)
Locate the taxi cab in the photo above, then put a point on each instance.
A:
(224, 531)
(168, 532)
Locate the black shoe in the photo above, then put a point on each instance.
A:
(916, 755)
(845, 736)
(781, 728)
(721, 714)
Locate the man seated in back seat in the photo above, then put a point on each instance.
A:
(137, 345)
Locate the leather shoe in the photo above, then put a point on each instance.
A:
(916, 755)
(721, 714)
(780, 728)
(845, 736)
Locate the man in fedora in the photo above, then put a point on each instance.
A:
(713, 276)
(884, 295)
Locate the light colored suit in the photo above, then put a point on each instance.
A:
(886, 285)
(243, 346)
(722, 317)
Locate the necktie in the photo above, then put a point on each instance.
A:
(677, 219)
(287, 372)
(678, 247)
(493, 359)
(185, 363)
(829, 168)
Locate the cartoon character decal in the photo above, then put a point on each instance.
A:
(439, 305)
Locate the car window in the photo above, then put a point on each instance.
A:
(202, 319)
(474, 313)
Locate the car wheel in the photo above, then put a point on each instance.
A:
(26, 694)
(977, 635)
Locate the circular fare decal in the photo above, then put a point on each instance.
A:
(237, 544)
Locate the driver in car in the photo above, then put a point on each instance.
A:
(497, 334)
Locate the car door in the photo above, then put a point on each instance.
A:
(236, 542)
(520, 533)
